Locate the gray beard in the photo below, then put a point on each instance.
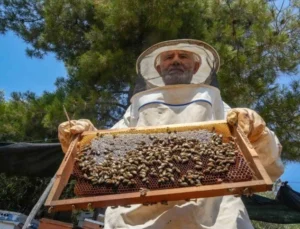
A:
(183, 78)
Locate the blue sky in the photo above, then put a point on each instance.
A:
(291, 174)
(20, 73)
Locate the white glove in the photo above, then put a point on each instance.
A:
(262, 139)
(65, 133)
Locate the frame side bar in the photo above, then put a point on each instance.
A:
(63, 173)
(252, 157)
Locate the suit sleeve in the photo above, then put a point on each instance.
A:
(125, 121)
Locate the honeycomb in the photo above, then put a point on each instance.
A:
(119, 145)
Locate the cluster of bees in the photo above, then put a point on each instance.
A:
(163, 160)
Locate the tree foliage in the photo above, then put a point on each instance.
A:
(24, 118)
(99, 41)
(281, 109)
(20, 193)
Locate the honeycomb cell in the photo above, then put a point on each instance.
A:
(119, 146)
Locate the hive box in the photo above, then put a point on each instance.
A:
(54, 224)
(14, 220)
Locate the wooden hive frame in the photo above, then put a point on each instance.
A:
(261, 182)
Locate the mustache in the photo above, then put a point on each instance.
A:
(180, 68)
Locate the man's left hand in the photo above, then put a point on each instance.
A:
(262, 139)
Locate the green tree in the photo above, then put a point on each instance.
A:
(281, 109)
(99, 42)
(20, 193)
(24, 117)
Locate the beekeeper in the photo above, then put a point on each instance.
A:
(179, 88)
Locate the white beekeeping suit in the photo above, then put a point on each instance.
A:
(174, 104)
(186, 103)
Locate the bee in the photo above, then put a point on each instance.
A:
(198, 167)
(210, 164)
(185, 160)
(183, 184)
(191, 182)
(176, 169)
(219, 180)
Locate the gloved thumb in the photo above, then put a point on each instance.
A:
(81, 126)
(78, 129)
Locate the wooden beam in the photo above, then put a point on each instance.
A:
(64, 172)
(154, 196)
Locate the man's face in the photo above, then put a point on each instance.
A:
(177, 67)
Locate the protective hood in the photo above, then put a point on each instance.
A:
(207, 55)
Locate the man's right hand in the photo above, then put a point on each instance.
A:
(66, 132)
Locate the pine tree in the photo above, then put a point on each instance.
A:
(99, 42)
